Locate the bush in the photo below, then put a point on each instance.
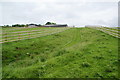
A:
(50, 23)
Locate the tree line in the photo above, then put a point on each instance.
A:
(26, 25)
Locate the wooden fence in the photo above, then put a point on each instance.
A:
(21, 35)
(115, 33)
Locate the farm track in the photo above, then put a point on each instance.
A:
(72, 40)
(75, 39)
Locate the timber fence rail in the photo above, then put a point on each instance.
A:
(22, 35)
(110, 31)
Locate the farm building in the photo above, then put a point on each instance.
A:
(52, 25)
(93, 26)
(57, 25)
(32, 25)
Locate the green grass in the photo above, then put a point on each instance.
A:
(74, 53)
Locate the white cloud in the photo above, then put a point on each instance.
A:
(59, 0)
(77, 12)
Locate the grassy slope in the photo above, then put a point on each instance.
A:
(77, 52)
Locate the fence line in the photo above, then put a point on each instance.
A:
(22, 31)
(18, 28)
(29, 35)
(110, 32)
(28, 32)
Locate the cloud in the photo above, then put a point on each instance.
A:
(77, 12)
(59, 0)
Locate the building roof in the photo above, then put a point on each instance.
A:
(57, 25)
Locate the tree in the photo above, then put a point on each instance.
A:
(39, 25)
(54, 23)
(18, 25)
(6, 26)
(50, 23)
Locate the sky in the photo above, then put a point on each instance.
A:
(72, 12)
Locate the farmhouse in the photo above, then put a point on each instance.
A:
(56, 25)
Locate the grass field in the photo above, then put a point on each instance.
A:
(73, 53)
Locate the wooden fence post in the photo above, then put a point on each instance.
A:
(29, 34)
(19, 36)
(6, 37)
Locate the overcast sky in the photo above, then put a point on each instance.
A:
(71, 12)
